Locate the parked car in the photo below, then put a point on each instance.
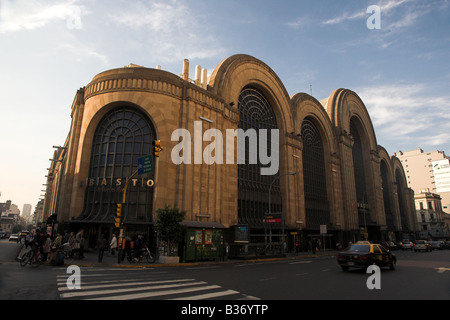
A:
(439, 245)
(422, 245)
(14, 237)
(362, 255)
(407, 245)
(447, 245)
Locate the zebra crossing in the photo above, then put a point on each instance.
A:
(110, 284)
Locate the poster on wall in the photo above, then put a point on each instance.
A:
(208, 237)
(198, 237)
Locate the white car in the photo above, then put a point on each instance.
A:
(422, 245)
(14, 237)
(407, 245)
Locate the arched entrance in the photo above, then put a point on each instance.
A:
(255, 112)
(122, 136)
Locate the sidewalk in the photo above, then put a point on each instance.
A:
(91, 260)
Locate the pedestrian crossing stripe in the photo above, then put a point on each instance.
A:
(107, 284)
(188, 289)
(78, 293)
(151, 294)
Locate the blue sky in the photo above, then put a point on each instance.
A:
(49, 49)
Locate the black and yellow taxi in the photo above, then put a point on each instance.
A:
(363, 254)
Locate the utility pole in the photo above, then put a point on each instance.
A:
(120, 221)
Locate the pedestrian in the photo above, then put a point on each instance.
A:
(80, 243)
(66, 236)
(46, 248)
(72, 244)
(126, 247)
(28, 237)
(315, 246)
(113, 244)
(58, 241)
(138, 243)
(40, 239)
(101, 246)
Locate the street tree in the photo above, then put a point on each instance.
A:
(168, 225)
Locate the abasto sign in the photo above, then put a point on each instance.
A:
(259, 142)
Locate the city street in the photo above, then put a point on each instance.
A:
(418, 276)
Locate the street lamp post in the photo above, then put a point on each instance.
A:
(282, 215)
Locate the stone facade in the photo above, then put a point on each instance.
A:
(209, 193)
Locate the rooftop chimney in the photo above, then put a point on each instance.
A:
(204, 79)
(186, 69)
(198, 72)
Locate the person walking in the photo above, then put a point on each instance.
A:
(46, 248)
(101, 246)
(126, 247)
(58, 241)
(113, 244)
(80, 242)
(72, 243)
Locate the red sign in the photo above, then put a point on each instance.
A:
(273, 220)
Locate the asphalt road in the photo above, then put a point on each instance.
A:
(23, 283)
(418, 276)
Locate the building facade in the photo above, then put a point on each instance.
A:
(432, 221)
(332, 179)
(427, 172)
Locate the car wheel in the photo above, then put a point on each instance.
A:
(344, 268)
(392, 265)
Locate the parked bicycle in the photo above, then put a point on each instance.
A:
(32, 257)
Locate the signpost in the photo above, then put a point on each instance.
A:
(145, 164)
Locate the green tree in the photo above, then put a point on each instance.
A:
(168, 226)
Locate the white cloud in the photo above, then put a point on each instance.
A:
(81, 51)
(346, 16)
(32, 14)
(385, 8)
(407, 114)
(173, 31)
(300, 23)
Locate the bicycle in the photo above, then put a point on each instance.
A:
(148, 255)
(32, 257)
(143, 254)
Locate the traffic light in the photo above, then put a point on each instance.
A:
(157, 147)
(118, 214)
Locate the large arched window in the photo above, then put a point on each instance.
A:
(314, 177)
(255, 112)
(401, 200)
(360, 175)
(122, 136)
(386, 197)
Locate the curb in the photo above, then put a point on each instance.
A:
(202, 263)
